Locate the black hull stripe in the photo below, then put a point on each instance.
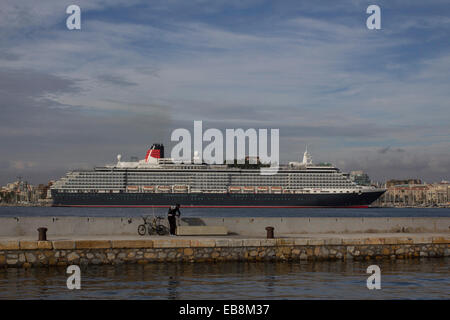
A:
(215, 200)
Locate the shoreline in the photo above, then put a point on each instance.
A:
(25, 205)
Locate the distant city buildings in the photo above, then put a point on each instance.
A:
(414, 193)
(393, 182)
(22, 193)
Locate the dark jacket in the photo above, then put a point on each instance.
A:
(173, 212)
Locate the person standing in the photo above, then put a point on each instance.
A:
(174, 212)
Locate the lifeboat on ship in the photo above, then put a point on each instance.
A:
(180, 189)
(148, 188)
(235, 189)
(276, 189)
(132, 188)
(249, 189)
(164, 189)
(262, 189)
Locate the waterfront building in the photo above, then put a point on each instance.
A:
(416, 194)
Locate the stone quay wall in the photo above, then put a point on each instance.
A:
(96, 252)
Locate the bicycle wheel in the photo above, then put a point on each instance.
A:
(142, 229)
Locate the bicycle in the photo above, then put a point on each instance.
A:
(152, 225)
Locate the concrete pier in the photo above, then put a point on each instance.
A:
(86, 241)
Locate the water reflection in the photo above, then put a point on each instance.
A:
(410, 279)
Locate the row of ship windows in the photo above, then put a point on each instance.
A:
(226, 178)
(316, 174)
(211, 183)
(215, 183)
(197, 198)
(121, 176)
(234, 181)
(216, 179)
(188, 181)
(214, 186)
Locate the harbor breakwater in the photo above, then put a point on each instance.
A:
(107, 240)
(26, 253)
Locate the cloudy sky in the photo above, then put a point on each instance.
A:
(376, 100)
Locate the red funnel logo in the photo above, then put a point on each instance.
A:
(154, 153)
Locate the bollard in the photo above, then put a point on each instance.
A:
(270, 232)
(42, 234)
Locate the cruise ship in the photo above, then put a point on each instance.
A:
(157, 181)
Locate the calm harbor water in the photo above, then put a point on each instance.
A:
(216, 212)
(414, 279)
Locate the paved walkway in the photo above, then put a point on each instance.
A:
(313, 236)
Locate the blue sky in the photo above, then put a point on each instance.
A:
(376, 100)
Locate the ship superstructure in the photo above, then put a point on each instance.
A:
(158, 182)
